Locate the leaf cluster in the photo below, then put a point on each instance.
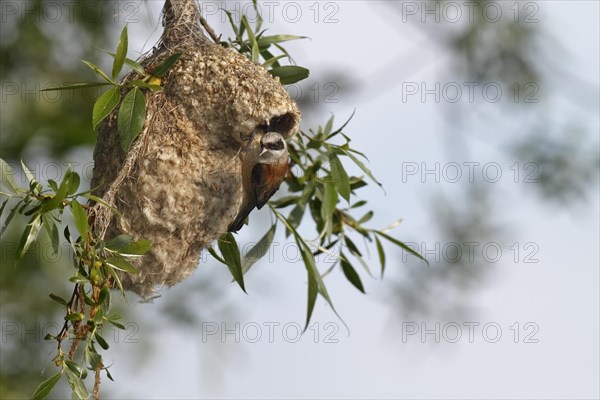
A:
(95, 262)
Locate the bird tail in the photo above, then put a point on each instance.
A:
(237, 224)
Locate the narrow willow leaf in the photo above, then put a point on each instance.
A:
(381, 255)
(138, 248)
(339, 130)
(92, 358)
(330, 200)
(117, 280)
(362, 166)
(259, 250)
(266, 41)
(7, 176)
(121, 54)
(119, 242)
(351, 274)
(231, 254)
(312, 299)
(366, 218)
(328, 126)
(73, 184)
(45, 388)
(289, 74)
(246, 24)
(162, 69)
(79, 217)
(2, 207)
(74, 316)
(271, 60)
(358, 204)
(105, 105)
(79, 390)
(58, 299)
(101, 341)
(214, 253)
(101, 201)
(28, 173)
(232, 23)
(340, 177)
(10, 216)
(255, 53)
(122, 264)
(98, 71)
(29, 235)
(80, 85)
(132, 116)
(402, 245)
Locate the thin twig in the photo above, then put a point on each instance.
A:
(209, 30)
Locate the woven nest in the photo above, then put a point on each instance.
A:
(180, 185)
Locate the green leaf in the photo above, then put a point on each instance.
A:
(231, 254)
(79, 390)
(105, 105)
(166, 65)
(92, 358)
(402, 245)
(79, 217)
(255, 52)
(340, 177)
(74, 316)
(214, 253)
(29, 235)
(119, 242)
(132, 116)
(98, 71)
(10, 216)
(351, 274)
(362, 166)
(126, 245)
(101, 341)
(328, 204)
(139, 247)
(74, 182)
(121, 54)
(137, 67)
(80, 85)
(122, 264)
(328, 126)
(366, 218)
(3, 205)
(339, 130)
(312, 299)
(28, 173)
(115, 276)
(289, 74)
(259, 250)
(134, 65)
(381, 255)
(266, 41)
(79, 279)
(271, 60)
(7, 177)
(58, 299)
(44, 389)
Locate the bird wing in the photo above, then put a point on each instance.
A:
(266, 179)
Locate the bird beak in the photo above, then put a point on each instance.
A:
(263, 151)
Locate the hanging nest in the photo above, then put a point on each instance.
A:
(179, 184)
